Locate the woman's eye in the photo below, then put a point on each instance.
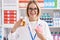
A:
(35, 8)
(32, 8)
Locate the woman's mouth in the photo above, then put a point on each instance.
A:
(33, 14)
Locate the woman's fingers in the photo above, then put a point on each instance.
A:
(21, 22)
(18, 23)
(40, 35)
(37, 32)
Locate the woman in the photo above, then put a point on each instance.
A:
(34, 29)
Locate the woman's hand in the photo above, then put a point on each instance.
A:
(19, 23)
(40, 35)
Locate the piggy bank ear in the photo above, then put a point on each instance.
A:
(39, 29)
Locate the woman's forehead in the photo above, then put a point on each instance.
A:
(32, 5)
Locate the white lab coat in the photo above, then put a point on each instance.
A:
(22, 33)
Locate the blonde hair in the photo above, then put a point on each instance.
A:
(36, 6)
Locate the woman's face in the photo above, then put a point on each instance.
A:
(32, 10)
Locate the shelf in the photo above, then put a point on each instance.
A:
(8, 25)
(42, 8)
(50, 8)
(54, 27)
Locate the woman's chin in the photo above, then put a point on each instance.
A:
(33, 17)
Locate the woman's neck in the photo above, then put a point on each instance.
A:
(33, 19)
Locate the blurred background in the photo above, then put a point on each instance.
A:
(12, 10)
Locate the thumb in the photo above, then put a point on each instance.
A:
(36, 30)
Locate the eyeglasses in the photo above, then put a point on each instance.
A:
(32, 9)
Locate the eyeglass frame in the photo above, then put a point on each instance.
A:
(32, 9)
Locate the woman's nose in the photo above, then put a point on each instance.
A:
(32, 11)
